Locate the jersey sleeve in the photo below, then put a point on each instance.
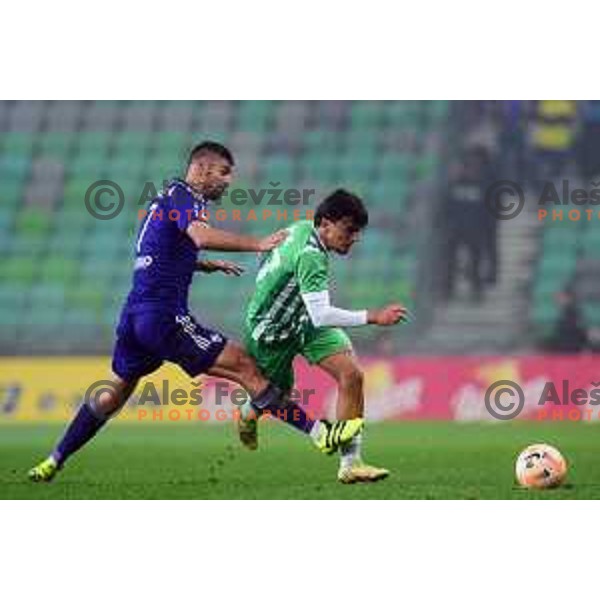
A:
(312, 271)
(188, 208)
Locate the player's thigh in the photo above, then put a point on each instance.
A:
(275, 361)
(326, 342)
(236, 364)
(131, 360)
(180, 339)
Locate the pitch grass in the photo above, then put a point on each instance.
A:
(427, 460)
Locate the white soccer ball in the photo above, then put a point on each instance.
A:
(541, 466)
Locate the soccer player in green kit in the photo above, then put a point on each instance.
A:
(290, 313)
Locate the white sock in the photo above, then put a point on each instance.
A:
(315, 430)
(350, 452)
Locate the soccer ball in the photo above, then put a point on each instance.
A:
(541, 466)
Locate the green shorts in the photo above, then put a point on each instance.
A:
(275, 360)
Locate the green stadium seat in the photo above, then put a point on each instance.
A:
(278, 169)
(73, 219)
(366, 115)
(86, 296)
(393, 168)
(354, 168)
(19, 144)
(11, 192)
(75, 191)
(400, 114)
(94, 144)
(437, 109)
(426, 167)
(14, 168)
(13, 295)
(57, 269)
(545, 312)
(18, 270)
(93, 269)
(254, 115)
(360, 145)
(49, 295)
(131, 162)
(56, 145)
(320, 141)
(128, 143)
(559, 237)
(7, 217)
(69, 246)
(390, 193)
(591, 245)
(320, 168)
(171, 143)
(87, 166)
(8, 324)
(27, 247)
(79, 317)
(33, 222)
(158, 170)
(591, 313)
(44, 315)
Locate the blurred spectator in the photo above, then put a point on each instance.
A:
(469, 225)
(570, 334)
(513, 136)
(553, 136)
(489, 223)
(589, 155)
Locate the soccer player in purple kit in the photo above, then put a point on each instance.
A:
(156, 325)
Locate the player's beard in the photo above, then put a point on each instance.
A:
(216, 192)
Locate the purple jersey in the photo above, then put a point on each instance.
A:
(165, 255)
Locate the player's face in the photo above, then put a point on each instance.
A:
(212, 175)
(341, 235)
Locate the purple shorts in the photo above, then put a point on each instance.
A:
(146, 339)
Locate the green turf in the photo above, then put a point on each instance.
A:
(428, 460)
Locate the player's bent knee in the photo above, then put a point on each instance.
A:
(108, 402)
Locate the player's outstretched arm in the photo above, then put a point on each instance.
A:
(224, 266)
(388, 315)
(209, 238)
(323, 314)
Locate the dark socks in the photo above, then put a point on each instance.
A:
(271, 401)
(82, 428)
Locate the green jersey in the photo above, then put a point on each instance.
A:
(276, 312)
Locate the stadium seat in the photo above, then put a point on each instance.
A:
(17, 143)
(366, 115)
(56, 145)
(254, 115)
(18, 270)
(59, 270)
(14, 167)
(33, 223)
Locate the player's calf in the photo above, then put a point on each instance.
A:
(89, 419)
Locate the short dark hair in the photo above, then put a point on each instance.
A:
(208, 147)
(341, 204)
